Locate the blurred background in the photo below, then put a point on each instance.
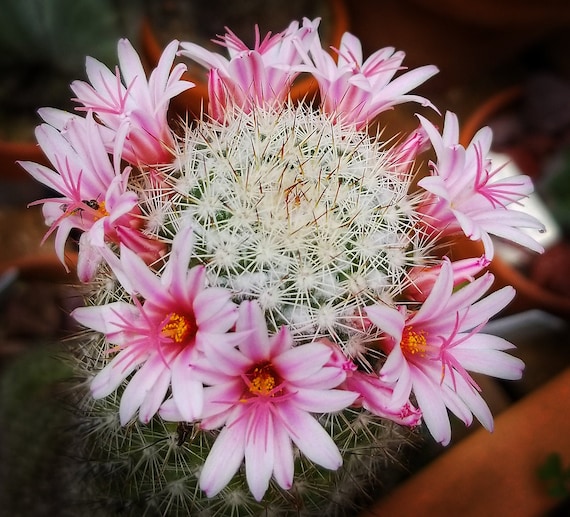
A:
(504, 64)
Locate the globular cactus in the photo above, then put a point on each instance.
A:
(270, 313)
(311, 244)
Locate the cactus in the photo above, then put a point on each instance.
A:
(268, 314)
(261, 236)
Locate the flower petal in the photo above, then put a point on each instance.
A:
(224, 458)
(433, 409)
(307, 434)
(251, 318)
(302, 361)
(489, 360)
(259, 451)
(387, 319)
(111, 376)
(154, 397)
(109, 319)
(283, 464)
(323, 401)
(187, 390)
(139, 387)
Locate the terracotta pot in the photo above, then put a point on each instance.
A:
(10, 152)
(493, 473)
(42, 266)
(195, 100)
(530, 295)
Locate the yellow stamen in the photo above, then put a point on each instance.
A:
(179, 328)
(414, 342)
(101, 211)
(262, 380)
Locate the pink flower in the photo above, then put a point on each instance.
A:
(376, 395)
(265, 405)
(95, 196)
(430, 351)
(356, 90)
(465, 195)
(254, 77)
(163, 336)
(424, 277)
(404, 154)
(131, 103)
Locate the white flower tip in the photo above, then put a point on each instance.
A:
(97, 393)
(209, 490)
(100, 386)
(258, 494)
(145, 418)
(335, 465)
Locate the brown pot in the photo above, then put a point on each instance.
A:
(530, 295)
(195, 100)
(493, 474)
(42, 266)
(10, 152)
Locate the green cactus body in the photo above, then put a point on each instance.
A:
(310, 219)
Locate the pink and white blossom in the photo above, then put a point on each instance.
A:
(95, 195)
(261, 76)
(431, 350)
(265, 406)
(357, 90)
(466, 197)
(124, 101)
(374, 394)
(161, 338)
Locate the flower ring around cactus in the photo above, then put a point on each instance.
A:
(269, 317)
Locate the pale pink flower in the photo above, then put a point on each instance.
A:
(125, 101)
(422, 278)
(95, 199)
(431, 349)
(265, 405)
(467, 197)
(163, 336)
(356, 91)
(374, 394)
(261, 76)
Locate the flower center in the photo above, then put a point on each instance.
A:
(101, 211)
(98, 207)
(263, 381)
(413, 342)
(179, 328)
